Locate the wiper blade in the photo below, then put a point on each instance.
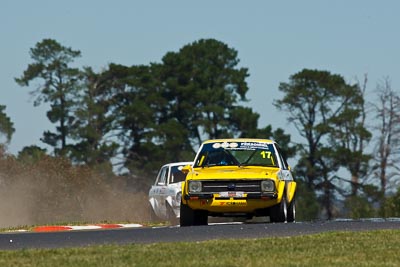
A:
(247, 160)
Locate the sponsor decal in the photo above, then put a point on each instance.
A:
(216, 145)
(233, 203)
(203, 202)
(242, 145)
(252, 145)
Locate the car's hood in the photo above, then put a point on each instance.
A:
(234, 172)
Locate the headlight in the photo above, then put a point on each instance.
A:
(267, 185)
(194, 186)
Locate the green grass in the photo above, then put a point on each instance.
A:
(374, 248)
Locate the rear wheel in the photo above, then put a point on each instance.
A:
(278, 213)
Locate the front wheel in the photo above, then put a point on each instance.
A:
(291, 211)
(278, 213)
(191, 217)
(187, 215)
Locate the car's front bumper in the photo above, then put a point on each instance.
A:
(248, 203)
(265, 196)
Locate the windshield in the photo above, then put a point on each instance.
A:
(237, 154)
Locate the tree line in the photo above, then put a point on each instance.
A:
(135, 118)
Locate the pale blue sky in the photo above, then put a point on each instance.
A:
(274, 39)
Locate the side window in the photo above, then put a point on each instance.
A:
(285, 165)
(162, 176)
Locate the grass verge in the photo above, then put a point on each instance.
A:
(373, 248)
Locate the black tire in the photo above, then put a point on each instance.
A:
(278, 213)
(191, 217)
(187, 216)
(291, 211)
(200, 217)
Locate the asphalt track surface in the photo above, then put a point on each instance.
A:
(146, 235)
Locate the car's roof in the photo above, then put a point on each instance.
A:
(259, 140)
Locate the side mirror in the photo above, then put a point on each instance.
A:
(186, 169)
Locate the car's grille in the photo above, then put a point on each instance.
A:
(231, 185)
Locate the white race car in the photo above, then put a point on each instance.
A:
(165, 193)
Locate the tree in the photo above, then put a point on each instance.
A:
(392, 205)
(315, 101)
(92, 129)
(204, 87)
(137, 104)
(6, 125)
(6, 129)
(59, 88)
(350, 138)
(387, 112)
(31, 154)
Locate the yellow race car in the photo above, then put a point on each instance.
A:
(238, 177)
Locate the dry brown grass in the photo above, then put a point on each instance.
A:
(52, 190)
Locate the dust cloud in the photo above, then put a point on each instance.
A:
(53, 191)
